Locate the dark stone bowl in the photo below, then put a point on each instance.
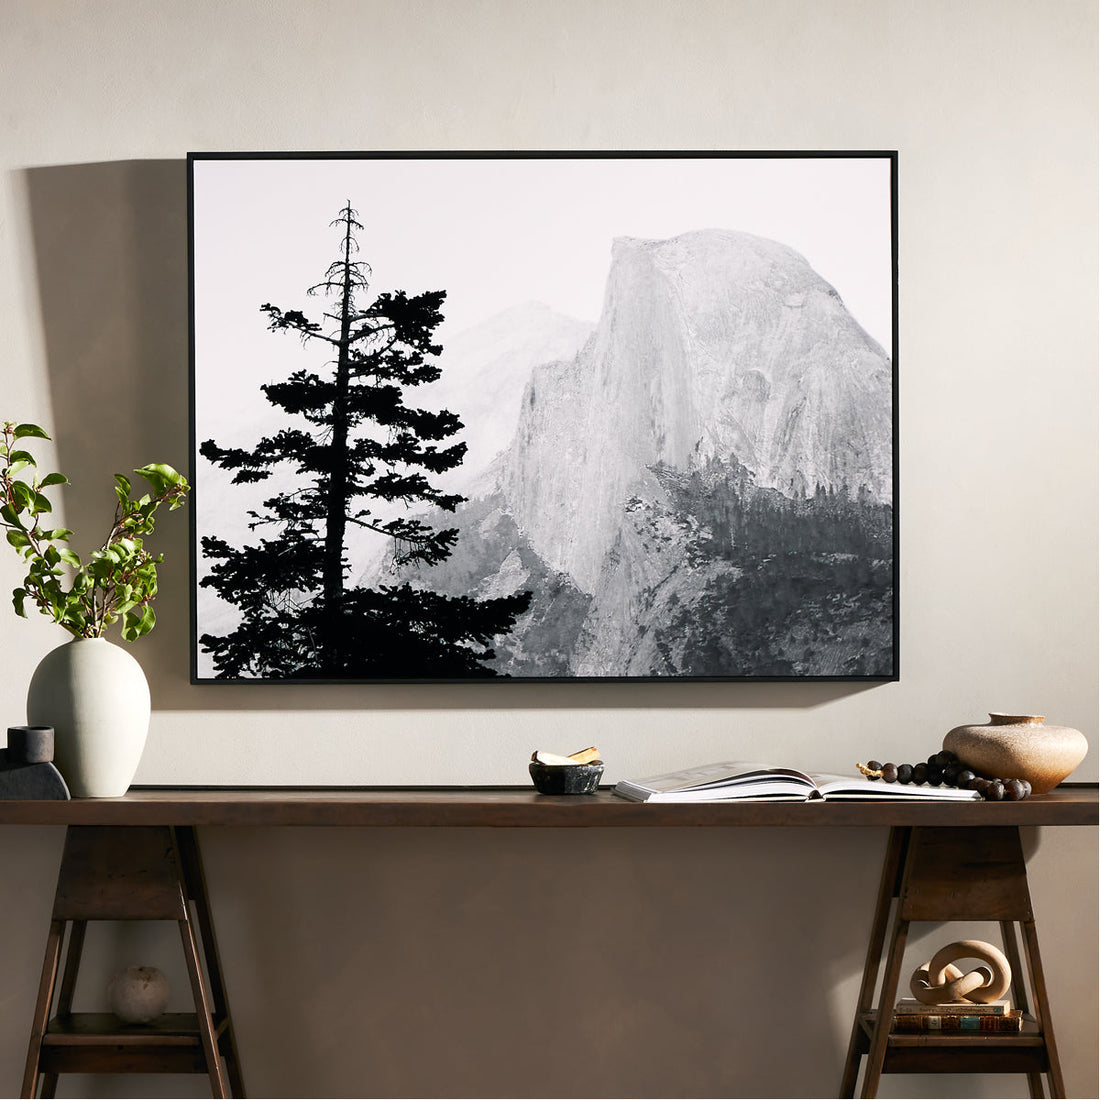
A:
(566, 778)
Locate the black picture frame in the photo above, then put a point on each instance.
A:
(676, 379)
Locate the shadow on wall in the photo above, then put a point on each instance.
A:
(110, 242)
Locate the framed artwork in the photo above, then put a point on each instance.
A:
(543, 416)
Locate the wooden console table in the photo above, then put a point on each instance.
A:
(77, 1044)
(518, 808)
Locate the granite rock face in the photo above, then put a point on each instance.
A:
(703, 488)
(711, 346)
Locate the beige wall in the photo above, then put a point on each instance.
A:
(422, 963)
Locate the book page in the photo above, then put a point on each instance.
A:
(762, 788)
(729, 773)
(860, 786)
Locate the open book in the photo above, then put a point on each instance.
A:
(739, 779)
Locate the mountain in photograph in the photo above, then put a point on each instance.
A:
(485, 370)
(703, 488)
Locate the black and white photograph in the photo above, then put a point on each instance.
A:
(544, 416)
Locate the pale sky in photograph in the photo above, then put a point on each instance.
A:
(495, 233)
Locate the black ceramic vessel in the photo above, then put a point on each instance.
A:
(30, 744)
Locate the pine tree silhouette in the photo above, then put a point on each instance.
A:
(361, 449)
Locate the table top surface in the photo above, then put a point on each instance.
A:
(522, 807)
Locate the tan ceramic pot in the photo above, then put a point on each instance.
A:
(1019, 746)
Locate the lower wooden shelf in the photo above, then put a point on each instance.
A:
(953, 1052)
(96, 1042)
(941, 875)
(143, 873)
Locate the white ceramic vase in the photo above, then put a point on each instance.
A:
(96, 697)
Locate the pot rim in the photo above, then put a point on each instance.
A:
(1000, 718)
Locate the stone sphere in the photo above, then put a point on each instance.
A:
(138, 994)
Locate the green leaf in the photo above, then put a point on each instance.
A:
(41, 504)
(23, 496)
(54, 479)
(136, 622)
(18, 539)
(73, 612)
(123, 483)
(7, 514)
(57, 534)
(99, 570)
(163, 478)
(69, 556)
(24, 430)
(158, 476)
(15, 467)
(17, 598)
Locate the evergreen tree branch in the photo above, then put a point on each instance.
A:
(362, 448)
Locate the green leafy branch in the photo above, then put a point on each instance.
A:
(119, 580)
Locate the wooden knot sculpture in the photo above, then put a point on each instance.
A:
(940, 982)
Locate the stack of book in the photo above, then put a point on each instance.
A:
(912, 1015)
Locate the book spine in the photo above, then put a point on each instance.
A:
(951, 1010)
(907, 1021)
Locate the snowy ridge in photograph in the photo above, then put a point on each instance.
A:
(486, 369)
